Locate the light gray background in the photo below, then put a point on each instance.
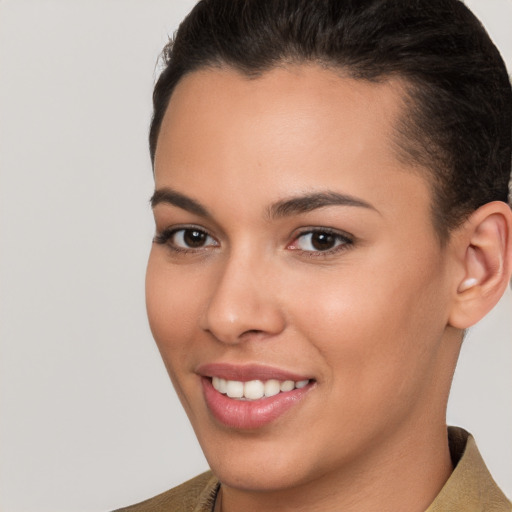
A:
(89, 421)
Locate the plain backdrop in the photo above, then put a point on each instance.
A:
(88, 418)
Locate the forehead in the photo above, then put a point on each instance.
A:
(295, 96)
(294, 129)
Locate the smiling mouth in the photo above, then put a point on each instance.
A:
(252, 396)
(255, 389)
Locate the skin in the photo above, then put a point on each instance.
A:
(369, 320)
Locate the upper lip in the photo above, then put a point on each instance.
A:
(247, 372)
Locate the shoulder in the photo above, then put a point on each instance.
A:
(471, 486)
(196, 495)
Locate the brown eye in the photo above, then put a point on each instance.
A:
(320, 241)
(191, 238)
(323, 241)
(194, 237)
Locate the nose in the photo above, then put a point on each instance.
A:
(243, 304)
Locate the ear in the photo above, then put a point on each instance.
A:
(484, 258)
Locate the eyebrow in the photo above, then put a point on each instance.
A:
(169, 196)
(310, 202)
(284, 208)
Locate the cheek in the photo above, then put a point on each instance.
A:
(377, 325)
(172, 308)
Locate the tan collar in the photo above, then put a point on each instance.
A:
(470, 487)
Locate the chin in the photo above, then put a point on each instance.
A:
(259, 479)
(251, 463)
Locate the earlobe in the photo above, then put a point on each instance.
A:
(486, 259)
(468, 283)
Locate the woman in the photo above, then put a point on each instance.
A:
(331, 188)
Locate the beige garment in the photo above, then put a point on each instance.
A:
(470, 487)
(196, 495)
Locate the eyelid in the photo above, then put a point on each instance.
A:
(344, 240)
(164, 236)
(347, 240)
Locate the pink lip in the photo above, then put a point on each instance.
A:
(245, 373)
(249, 414)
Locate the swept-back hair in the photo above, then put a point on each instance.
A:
(456, 124)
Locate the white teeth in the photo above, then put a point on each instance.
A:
(255, 389)
(234, 389)
(272, 387)
(220, 384)
(287, 385)
(223, 386)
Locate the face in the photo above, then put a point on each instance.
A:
(296, 287)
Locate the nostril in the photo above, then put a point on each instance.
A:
(237, 313)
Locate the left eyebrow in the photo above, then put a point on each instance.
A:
(310, 202)
(167, 195)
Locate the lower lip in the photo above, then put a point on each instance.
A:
(250, 414)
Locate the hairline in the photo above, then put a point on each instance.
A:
(404, 147)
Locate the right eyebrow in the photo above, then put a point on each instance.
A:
(167, 195)
(310, 202)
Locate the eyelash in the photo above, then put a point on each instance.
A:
(344, 241)
(165, 237)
